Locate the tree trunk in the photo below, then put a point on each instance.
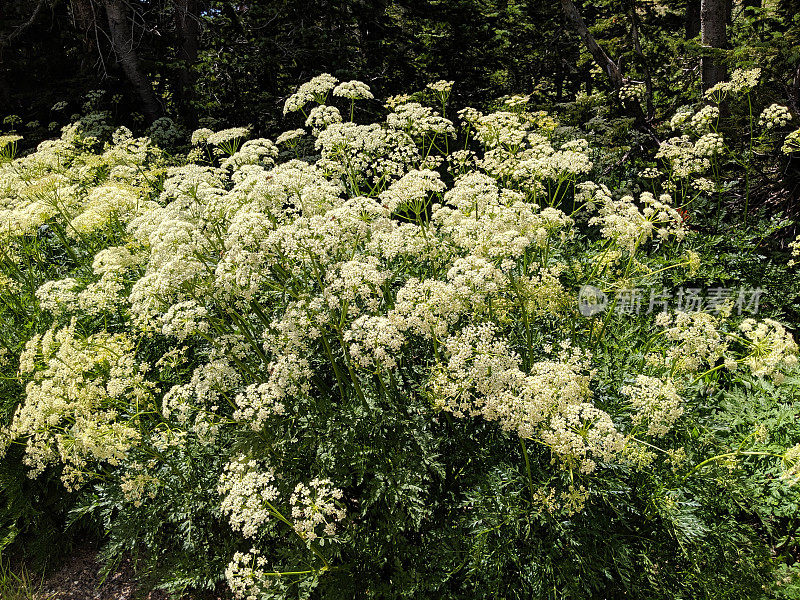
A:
(125, 51)
(187, 30)
(637, 48)
(692, 19)
(713, 17)
(632, 107)
(599, 55)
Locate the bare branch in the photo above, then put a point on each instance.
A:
(597, 52)
(20, 29)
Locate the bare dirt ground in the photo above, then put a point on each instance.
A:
(79, 579)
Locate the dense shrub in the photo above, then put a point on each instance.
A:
(405, 358)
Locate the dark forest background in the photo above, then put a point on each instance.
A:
(222, 63)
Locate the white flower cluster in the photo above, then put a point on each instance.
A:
(709, 145)
(791, 463)
(705, 119)
(501, 128)
(247, 492)
(289, 377)
(290, 137)
(655, 403)
(315, 90)
(629, 226)
(791, 143)
(482, 376)
(58, 296)
(480, 218)
(685, 158)
(774, 116)
(199, 136)
(283, 283)
(321, 116)
(353, 90)
(59, 181)
(649, 173)
(633, 92)
(742, 81)
(518, 148)
(517, 101)
(261, 152)
(703, 184)
(366, 153)
(417, 120)
(137, 485)
(771, 348)
(412, 190)
(225, 136)
(696, 341)
(8, 139)
(441, 87)
(73, 402)
(375, 342)
(682, 116)
(247, 577)
(316, 505)
(795, 248)
(104, 204)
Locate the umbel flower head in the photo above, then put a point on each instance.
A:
(305, 328)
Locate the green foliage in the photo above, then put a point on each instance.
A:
(19, 584)
(359, 365)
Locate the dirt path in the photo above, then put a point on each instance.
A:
(78, 579)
